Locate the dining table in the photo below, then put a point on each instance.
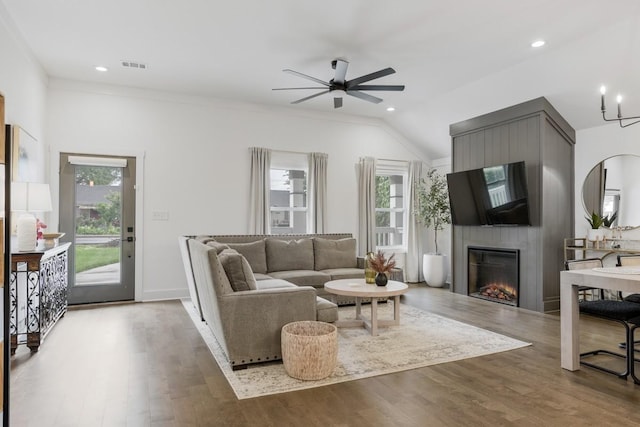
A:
(624, 279)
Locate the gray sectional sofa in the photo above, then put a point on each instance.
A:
(302, 259)
(246, 287)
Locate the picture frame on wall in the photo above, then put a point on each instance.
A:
(27, 154)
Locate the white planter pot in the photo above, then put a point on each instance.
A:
(596, 234)
(434, 268)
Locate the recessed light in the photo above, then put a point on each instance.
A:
(538, 43)
(391, 109)
(101, 68)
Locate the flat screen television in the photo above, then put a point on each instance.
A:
(494, 195)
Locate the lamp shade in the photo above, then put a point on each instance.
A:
(30, 197)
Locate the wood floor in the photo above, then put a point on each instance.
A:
(146, 365)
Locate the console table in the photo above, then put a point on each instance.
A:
(581, 245)
(38, 294)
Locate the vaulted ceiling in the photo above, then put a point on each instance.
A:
(458, 59)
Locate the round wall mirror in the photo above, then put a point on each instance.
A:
(611, 186)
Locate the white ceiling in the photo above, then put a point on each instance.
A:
(458, 59)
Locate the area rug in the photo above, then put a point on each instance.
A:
(422, 339)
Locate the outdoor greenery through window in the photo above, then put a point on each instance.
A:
(98, 213)
(390, 209)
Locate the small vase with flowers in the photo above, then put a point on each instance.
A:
(382, 266)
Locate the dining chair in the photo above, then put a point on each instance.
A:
(585, 263)
(635, 323)
(620, 311)
(624, 261)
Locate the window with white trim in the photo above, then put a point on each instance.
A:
(288, 193)
(391, 212)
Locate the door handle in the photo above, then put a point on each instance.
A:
(129, 239)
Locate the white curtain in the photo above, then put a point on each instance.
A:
(259, 213)
(366, 171)
(413, 263)
(317, 194)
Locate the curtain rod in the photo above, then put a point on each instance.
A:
(393, 160)
(289, 152)
(286, 151)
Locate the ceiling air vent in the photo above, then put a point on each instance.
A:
(133, 64)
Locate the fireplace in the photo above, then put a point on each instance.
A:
(494, 274)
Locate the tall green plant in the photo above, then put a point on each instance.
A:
(433, 203)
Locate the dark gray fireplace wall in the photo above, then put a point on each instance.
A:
(536, 133)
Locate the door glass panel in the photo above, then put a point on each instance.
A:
(98, 215)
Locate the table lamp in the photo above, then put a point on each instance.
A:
(28, 197)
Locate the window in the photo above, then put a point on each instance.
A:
(496, 185)
(611, 204)
(288, 193)
(391, 214)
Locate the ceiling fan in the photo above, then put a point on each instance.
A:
(341, 85)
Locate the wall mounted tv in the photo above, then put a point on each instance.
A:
(495, 195)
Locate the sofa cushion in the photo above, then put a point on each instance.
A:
(260, 276)
(238, 270)
(317, 279)
(219, 247)
(285, 255)
(334, 253)
(274, 283)
(345, 273)
(255, 253)
(326, 311)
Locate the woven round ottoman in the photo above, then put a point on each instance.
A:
(309, 349)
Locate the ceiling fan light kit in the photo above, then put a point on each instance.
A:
(342, 86)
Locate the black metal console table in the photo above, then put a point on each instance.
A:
(38, 294)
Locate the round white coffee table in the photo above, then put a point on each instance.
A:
(359, 289)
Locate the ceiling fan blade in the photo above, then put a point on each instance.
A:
(337, 102)
(378, 87)
(311, 96)
(304, 76)
(295, 88)
(341, 71)
(372, 76)
(365, 96)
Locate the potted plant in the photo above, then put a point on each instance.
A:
(596, 221)
(608, 220)
(382, 266)
(433, 212)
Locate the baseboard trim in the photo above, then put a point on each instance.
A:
(165, 295)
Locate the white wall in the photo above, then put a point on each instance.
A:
(196, 160)
(22, 82)
(592, 146)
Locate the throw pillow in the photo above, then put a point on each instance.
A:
(238, 270)
(255, 253)
(334, 253)
(219, 247)
(289, 254)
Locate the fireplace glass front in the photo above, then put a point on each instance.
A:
(494, 274)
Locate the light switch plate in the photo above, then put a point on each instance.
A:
(160, 216)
